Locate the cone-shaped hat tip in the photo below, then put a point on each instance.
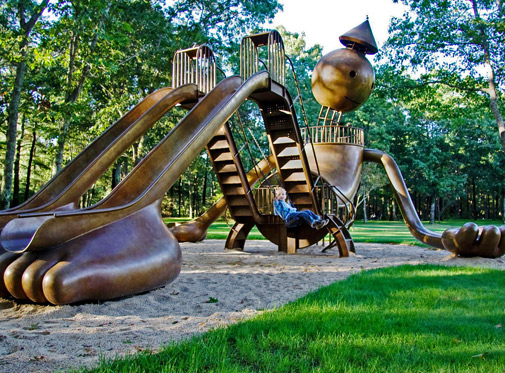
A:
(361, 35)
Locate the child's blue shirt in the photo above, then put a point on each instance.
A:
(283, 209)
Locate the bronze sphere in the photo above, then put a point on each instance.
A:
(343, 80)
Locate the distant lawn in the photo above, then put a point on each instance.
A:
(403, 319)
(395, 232)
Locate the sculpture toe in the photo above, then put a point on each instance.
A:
(6, 258)
(14, 272)
(34, 275)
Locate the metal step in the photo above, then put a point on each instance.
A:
(293, 164)
(230, 179)
(283, 138)
(222, 168)
(237, 200)
(231, 190)
(297, 188)
(290, 151)
(218, 144)
(225, 156)
(295, 176)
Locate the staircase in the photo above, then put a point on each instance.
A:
(287, 145)
(230, 174)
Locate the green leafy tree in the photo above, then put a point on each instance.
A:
(18, 21)
(457, 43)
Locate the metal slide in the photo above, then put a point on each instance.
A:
(65, 189)
(119, 246)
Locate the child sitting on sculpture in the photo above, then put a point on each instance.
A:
(288, 212)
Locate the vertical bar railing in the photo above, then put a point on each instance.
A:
(194, 66)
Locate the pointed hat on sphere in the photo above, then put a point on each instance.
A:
(361, 35)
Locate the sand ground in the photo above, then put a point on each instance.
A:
(42, 338)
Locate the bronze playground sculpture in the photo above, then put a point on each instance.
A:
(53, 252)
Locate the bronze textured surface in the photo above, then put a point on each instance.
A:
(343, 80)
(63, 191)
(362, 36)
(339, 165)
(120, 246)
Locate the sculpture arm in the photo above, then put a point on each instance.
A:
(402, 196)
(469, 240)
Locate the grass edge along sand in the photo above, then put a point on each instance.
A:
(374, 231)
(406, 318)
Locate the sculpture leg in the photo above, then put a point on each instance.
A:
(237, 236)
(129, 256)
(14, 273)
(35, 272)
(472, 240)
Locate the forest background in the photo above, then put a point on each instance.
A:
(71, 68)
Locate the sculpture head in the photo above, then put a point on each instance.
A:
(344, 78)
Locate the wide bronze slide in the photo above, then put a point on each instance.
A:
(65, 189)
(119, 246)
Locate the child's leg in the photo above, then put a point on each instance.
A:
(309, 217)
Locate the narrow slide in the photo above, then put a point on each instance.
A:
(120, 246)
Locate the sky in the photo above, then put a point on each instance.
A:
(323, 21)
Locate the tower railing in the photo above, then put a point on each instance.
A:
(340, 134)
(195, 65)
(276, 58)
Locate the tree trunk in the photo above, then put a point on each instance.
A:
(116, 173)
(62, 139)
(432, 209)
(493, 100)
(486, 207)
(179, 196)
(30, 162)
(365, 215)
(190, 192)
(503, 206)
(172, 204)
(204, 192)
(474, 200)
(16, 198)
(13, 108)
(72, 93)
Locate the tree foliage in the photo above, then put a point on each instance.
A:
(458, 43)
(86, 62)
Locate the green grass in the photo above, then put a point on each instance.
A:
(404, 319)
(395, 232)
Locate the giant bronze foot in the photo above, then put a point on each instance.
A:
(106, 263)
(472, 240)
